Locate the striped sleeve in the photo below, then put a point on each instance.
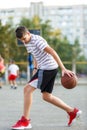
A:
(41, 44)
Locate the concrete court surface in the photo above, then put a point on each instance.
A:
(44, 116)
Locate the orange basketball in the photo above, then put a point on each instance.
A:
(69, 82)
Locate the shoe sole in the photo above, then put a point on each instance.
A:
(77, 117)
(78, 114)
(23, 128)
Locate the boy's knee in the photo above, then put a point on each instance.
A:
(25, 88)
(28, 89)
(46, 96)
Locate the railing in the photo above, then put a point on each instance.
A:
(25, 73)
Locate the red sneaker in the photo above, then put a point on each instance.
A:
(73, 115)
(22, 124)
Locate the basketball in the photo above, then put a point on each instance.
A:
(69, 82)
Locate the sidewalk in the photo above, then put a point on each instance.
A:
(44, 116)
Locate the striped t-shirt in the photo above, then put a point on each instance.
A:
(36, 47)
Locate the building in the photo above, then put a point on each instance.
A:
(72, 20)
(15, 13)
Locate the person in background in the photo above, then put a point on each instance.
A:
(13, 74)
(31, 66)
(2, 69)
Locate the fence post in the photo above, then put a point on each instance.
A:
(6, 74)
(74, 66)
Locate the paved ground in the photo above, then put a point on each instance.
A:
(44, 116)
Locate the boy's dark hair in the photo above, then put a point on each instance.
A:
(20, 31)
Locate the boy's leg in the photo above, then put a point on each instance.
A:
(14, 84)
(73, 113)
(11, 83)
(24, 122)
(56, 101)
(28, 91)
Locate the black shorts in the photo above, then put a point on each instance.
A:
(44, 80)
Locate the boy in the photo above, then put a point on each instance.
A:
(13, 73)
(46, 62)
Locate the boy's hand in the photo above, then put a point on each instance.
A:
(34, 71)
(68, 72)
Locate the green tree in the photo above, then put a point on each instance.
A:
(9, 47)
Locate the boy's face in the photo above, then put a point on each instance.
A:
(26, 38)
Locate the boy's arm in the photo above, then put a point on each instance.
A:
(52, 52)
(35, 63)
(35, 66)
(18, 72)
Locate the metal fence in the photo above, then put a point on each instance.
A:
(25, 72)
